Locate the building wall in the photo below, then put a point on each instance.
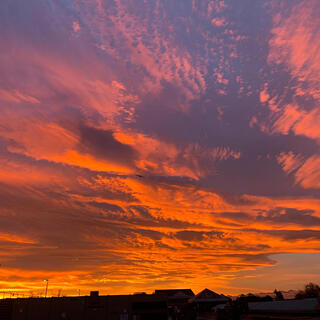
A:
(146, 307)
(6, 309)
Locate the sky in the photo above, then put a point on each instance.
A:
(159, 144)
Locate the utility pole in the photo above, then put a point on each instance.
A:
(47, 283)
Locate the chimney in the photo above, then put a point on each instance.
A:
(94, 293)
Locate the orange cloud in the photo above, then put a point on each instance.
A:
(295, 44)
(92, 196)
(16, 97)
(309, 173)
(153, 231)
(160, 58)
(289, 161)
(16, 239)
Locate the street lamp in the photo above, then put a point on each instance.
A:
(47, 283)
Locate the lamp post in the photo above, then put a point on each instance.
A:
(47, 283)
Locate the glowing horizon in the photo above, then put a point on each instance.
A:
(159, 144)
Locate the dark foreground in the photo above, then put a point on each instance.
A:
(162, 305)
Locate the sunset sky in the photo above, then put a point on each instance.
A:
(159, 144)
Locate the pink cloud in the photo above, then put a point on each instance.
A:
(308, 175)
(290, 161)
(16, 97)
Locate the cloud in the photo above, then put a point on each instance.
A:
(189, 235)
(155, 144)
(287, 216)
(289, 161)
(16, 97)
(295, 43)
(106, 206)
(102, 144)
(309, 173)
(295, 235)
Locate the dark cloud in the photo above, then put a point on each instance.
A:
(294, 235)
(287, 216)
(274, 216)
(235, 216)
(190, 235)
(106, 206)
(256, 258)
(289, 235)
(103, 145)
(154, 235)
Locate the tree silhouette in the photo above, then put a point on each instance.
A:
(279, 295)
(311, 290)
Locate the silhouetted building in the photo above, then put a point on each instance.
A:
(93, 307)
(176, 297)
(286, 310)
(206, 300)
(179, 303)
